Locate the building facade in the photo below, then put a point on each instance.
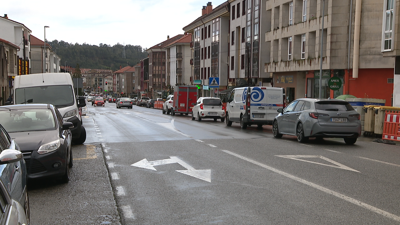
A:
(43, 59)
(8, 68)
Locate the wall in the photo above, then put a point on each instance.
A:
(372, 83)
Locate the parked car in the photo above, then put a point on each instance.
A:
(208, 107)
(168, 104)
(124, 102)
(306, 117)
(43, 137)
(134, 100)
(99, 102)
(90, 98)
(13, 181)
(142, 101)
(150, 103)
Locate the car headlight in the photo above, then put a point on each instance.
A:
(49, 147)
(71, 113)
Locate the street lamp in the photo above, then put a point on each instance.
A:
(321, 51)
(44, 49)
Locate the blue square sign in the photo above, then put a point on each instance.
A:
(213, 82)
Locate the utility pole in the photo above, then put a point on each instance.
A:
(321, 50)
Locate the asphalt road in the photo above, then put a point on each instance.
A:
(139, 166)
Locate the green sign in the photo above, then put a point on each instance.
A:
(197, 82)
(335, 83)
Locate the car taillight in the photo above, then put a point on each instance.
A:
(131, 102)
(120, 102)
(201, 106)
(313, 115)
(223, 107)
(170, 102)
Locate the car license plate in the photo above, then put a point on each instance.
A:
(258, 115)
(212, 113)
(339, 120)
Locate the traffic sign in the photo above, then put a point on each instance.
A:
(213, 82)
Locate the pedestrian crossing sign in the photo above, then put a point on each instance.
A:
(213, 82)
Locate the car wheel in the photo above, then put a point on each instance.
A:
(275, 130)
(172, 112)
(193, 117)
(227, 122)
(222, 119)
(350, 141)
(163, 111)
(82, 137)
(243, 125)
(215, 119)
(71, 159)
(198, 117)
(168, 111)
(300, 134)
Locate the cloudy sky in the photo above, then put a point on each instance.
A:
(134, 22)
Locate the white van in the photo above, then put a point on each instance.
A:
(253, 105)
(56, 89)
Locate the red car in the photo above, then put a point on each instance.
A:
(111, 100)
(99, 102)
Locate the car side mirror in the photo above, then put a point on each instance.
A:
(67, 125)
(10, 156)
(280, 110)
(81, 101)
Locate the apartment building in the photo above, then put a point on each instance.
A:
(350, 44)
(43, 59)
(8, 68)
(210, 43)
(120, 81)
(179, 54)
(17, 34)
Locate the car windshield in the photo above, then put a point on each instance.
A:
(125, 99)
(22, 120)
(333, 106)
(99, 99)
(58, 95)
(212, 101)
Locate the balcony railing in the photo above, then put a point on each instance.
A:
(179, 71)
(179, 55)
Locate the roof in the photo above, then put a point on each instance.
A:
(123, 69)
(132, 69)
(187, 38)
(37, 42)
(166, 42)
(9, 43)
(6, 18)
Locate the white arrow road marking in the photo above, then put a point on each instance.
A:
(199, 174)
(300, 158)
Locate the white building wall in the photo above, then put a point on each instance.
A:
(172, 65)
(186, 67)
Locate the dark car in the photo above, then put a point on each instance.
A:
(43, 137)
(150, 103)
(13, 184)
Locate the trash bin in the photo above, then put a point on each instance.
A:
(358, 105)
(369, 120)
(380, 117)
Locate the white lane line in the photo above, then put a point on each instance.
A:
(114, 176)
(199, 140)
(318, 187)
(374, 160)
(111, 165)
(332, 151)
(120, 191)
(306, 145)
(105, 150)
(108, 157)
(212, 146)
(128, 212)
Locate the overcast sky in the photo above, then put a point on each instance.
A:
(134, 22)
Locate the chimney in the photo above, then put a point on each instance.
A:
(203, 11)
(5, 16)
(209, 8)
(167, 37)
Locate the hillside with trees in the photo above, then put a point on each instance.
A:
(98, 57)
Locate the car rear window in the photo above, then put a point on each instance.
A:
(333, 106)
(212, 101)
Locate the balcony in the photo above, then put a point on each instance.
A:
(179, 71)
(179, 56)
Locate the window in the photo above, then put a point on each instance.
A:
(242, 62)
(238, 10)
(209, 30)
(243, 8)
(232, 62)
(303, 46)
(298, 106)
(243, 34)
(233, 12)
(202, 33)
(290, 13)
(209, 69)
(290, 48)
(388, 25)
(233, 38)
(205, 52)
(291, 106)
(201, 51)
(205, 32)
(209, 51)
(304, 18)
(201, 73)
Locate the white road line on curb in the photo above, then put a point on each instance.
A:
(332, 151)
(114, 176)
(108, 157)
(128, 212)
(213, 146)
(199, 140)
(120, 191)
(318, 187)
(111, 165)
(374, 160)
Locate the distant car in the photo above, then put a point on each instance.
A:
(14, 199)
(150, 103)
(142, 101)
(124, 102)
(99, 102)
(168, 104)
(134, 100)
(90, 98)
(43, 137)
(307, 117)
(111, 100)
(208, 107)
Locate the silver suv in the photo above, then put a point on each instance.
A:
(168, 104)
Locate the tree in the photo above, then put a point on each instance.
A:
(77, 72)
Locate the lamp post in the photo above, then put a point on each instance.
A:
(44, 50)
(321, 50)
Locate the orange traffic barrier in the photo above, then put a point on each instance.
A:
(391, 126)
(158, 104)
